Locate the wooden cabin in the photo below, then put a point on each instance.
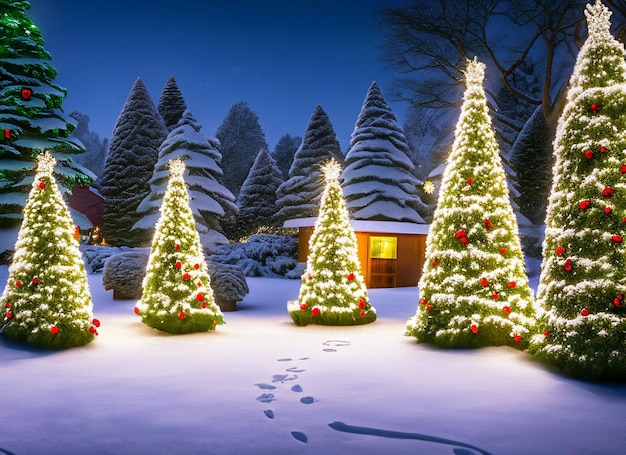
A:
(391, 253)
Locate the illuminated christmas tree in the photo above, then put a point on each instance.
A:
(31, 117)
(177, 295)
(333, 291)
(46, 301)
(583, 274)
(474, 290)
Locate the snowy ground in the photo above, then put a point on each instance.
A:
(261, 385)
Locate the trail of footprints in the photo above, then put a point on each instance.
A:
(291, 375)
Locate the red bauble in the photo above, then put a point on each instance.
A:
(623, 169)
(177, 246)
(584, 312)
(512, 284)
(200, 297)
(181, 315)
(568, 266)
(214, 322)
(137, 310)
(469, 180)
(616, 238)
(7, 305)
(310, 278)
(546, 333)
(92, 329)
(608, 210)
(351, 277)
(41, 185)
(26, 93)
(9, 315)
(459, 234)
(463, 240)
(474, 328)
(484, 282)
(185, 276)
(362, 313)
(506, 309)
(7, 133)
(602, 149)
(429, 308)
(96, 322)
(18, 284)
(495, 296)
(595, 108)
(584, 204)
(624, 220)
(434, 263)
(199, 284)
(589, 154)
(423, 302)
(517, 338)
(35, 280)
(315, 311)
(559, 250)
(178, 264)
(502, 250)
(54, 330)
(488, 224)
(361, 304)
(203, 305)
(608, 193)
(617, 302)
(196, 266)
(303, 307)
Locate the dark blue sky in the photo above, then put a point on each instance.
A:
(283, 57)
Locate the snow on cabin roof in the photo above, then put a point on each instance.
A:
(386, 227)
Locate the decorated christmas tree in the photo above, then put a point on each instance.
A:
(31, 117)
(177, 295)
(333, 291)
(46, 302)
(474, 290)
(583, 274)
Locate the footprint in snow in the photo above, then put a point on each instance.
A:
(300, 436)
(332, 344)
(296, 388)
(265, 386)
(266, 398)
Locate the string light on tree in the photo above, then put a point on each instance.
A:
(333, 290)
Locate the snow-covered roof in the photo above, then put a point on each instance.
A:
(382, 227)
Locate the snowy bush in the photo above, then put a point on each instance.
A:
(95, 257)
(265, 255)
(124, 272)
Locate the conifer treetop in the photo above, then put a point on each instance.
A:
(331, 170)
(177, 168)
(46, 163)
(598, 19)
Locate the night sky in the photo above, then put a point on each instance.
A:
(282, 57)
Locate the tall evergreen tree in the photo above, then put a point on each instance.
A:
(31, 117)
(241, 137)
(211, 202)
(583, 283)
(177, 295)
(95, 148)
(474, 290)
(257, 198)
(284, 152)
(171, 105)
(299, 196)
(133, 152)
(378, 180)
(46, 302)
(333, 290)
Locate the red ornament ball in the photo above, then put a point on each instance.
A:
(617, 302)
(18, 284)
(602, 149)
(594, 108)
(181, 315)
(362, 313)
(517, 338)
(488, 224)
(589, 154)
(474, 328)
(559, 250)
(484, 282)
(584, 204)
(623, 169)
(177, 246)
(35, 280)
(351, 277)
(200, 297)
(463, 240)
(196, 266)
(512, 284)
(315, 311)
(54, 330)
(310, 278)
(546, 333)
(7, 305)
(303, 307)
(9, 315)
(495, 296)
(502, 250)
(506, 309)
(96, 322)
(616, 238)
(178, 264)
(568, 265)
(459, 234)
(199, 284)
(7, 133)
(608, 210)
(361, 304)
(608, 193)
(434, 263)
(26, 93)
(203, 305)
(185, 276)
(92, 329)
(584, 312)
(41, 185)
(137, 310)
(423, 302)
(469, 180)
(429, 308)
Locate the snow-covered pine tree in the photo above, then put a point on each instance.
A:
(257, 198)
(241, 137)
(284, 152)
(133, 152)
(378, 180)
(46, 302)
(299, 196)
(474, 290)
(171, 105)
(177, 295)
(583, 281)
(211, 202)
(31, 118)
(333, 290)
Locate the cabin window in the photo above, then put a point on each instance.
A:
(382, 262)
(383, 247)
